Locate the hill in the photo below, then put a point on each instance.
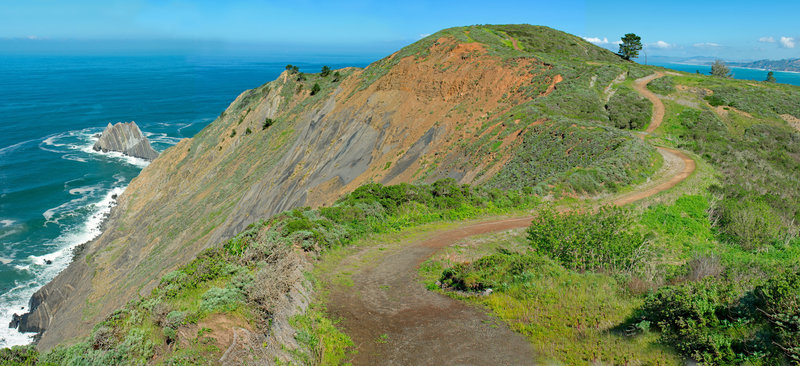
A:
(205, 257)
(792, 64)
(456, 104)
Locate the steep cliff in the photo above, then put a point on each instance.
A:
(126, 138)
(456, 104)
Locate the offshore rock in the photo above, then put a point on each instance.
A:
(126, 138)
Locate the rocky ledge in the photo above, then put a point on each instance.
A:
(126, 138)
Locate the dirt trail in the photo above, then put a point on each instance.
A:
(394, 320)
(658, 108)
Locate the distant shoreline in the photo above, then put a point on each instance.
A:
(730, 66)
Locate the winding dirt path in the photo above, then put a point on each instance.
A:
(394, 320)
(658, 108)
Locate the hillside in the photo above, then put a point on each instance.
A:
(207, 258)
(791, 64)
(465, 103)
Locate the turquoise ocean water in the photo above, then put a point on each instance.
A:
(738, 72)
(54, 189)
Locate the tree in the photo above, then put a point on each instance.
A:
(292, 69)
(336, 76)
(771, 77)
(630, 46)
(315, 89)
(719, 68)
(325, 71)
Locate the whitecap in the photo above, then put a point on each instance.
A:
(13, 301)
(5, 260)
(6, 222)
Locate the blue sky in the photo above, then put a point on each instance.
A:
(726, 29)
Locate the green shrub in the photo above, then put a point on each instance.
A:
(778, 303)
(19, 355)
(267, 123)
(663, 85)
(315, 89)
(221, 299)
(325, 71)
(587, 241)
(496, 271)
(629, 110)
(693, 318)
(579, 157)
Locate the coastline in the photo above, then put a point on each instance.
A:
(19, 300)
(96, 224)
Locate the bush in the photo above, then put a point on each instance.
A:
(494, 271)
(692, 317)
(221, 299)
(587, 241)
(315, 89)
(576, 157)
(325, 71)
(19, 355)
(267, 123)
(778, 302)
(663, 85)
(628, 110)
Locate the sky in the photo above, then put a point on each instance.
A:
(732, 30)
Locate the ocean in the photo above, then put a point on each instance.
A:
(792, 78)
(54, 189)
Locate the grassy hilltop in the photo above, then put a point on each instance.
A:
(242, 241)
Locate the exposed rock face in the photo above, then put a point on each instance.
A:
(126, 138)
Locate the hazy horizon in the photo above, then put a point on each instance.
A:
(370, 28)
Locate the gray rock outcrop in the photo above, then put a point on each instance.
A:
(126, 138)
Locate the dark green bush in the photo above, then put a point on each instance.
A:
(315, 89)
(19, 355)
(778, 302)
(695, 318)
(267, 123)
(493, 271)
(629, 110)
(587, 241)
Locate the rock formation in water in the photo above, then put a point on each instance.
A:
(126, 138)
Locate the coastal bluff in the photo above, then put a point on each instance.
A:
(126, 138)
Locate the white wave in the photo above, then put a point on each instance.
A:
(15, 300)
(22, 268)
(6, 222)
(74, 158)
(5, 260)
(11, 148)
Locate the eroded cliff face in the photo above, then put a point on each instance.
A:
(402, 119)
(126, 138)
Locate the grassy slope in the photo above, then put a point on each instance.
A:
(714, 239)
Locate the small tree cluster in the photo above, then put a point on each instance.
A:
(325, 71)
(292, 69)
(719, 68)
(771, 77)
